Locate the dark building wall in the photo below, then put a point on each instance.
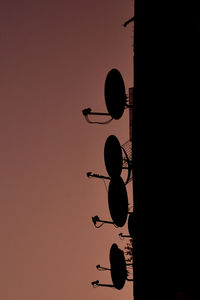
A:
(167, 94)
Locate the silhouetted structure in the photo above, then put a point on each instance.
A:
(118, 269)
(116, 158)
(115, 98)
(113, 156)
(115, 94)
(166, 117)
(118, 201)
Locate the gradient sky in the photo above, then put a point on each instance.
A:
(54, 58)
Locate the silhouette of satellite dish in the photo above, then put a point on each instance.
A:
(118, 267)
(118, 158)
(131, 224)
(114, 92)
(113, 156)
(119, 273)
(115, 99)
(118, 201)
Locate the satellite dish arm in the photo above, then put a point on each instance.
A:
(96, 284)
(100, 268)
(96, 219)
(87, 111)
(90, 174)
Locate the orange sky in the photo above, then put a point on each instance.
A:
(54, 58)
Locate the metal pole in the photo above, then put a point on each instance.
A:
(108, 222)
(99, 114)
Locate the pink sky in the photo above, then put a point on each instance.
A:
(54, 58)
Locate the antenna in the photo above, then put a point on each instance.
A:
(117, 157)
(118, 271)
(113, 156)
(115, 98)
(118, 162)
(114, 93)
(118, 201)
(118, 267)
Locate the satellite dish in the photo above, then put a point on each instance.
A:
(118, 267)
(119, 273)
(118, 201)
(114, 92)
(115, 98)
(131, 224)
(118, 158)
(113, 156)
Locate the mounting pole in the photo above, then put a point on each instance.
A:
(96, 283)
(90, 174)
(100, 268)
(96, 219)
(88, 111)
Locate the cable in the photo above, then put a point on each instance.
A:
(92, 122)
(99, 225)
(105, 185)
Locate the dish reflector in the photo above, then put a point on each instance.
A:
(113, 156)
(118, 267)
(118, 201)
(115, 95)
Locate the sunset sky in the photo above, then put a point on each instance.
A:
(54, 58)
